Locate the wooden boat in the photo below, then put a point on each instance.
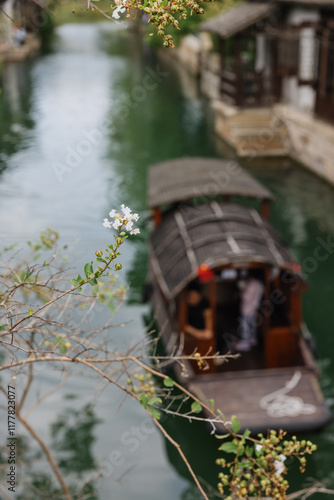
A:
(205, 225)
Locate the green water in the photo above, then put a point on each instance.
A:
(49, 177)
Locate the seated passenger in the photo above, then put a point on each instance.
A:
(199, 313)
(251, 295)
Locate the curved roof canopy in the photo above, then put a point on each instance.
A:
(215, 233)
(238, 18)
(185, 178)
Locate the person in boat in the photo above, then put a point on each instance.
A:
(250, 299)
(199, 313)
(19, 35)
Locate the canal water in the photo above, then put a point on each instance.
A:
(79, 126)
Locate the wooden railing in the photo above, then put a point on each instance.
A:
(246, 89)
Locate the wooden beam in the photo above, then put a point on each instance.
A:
(183, 312)
(213, 304)
(265, 208)
(157, 216)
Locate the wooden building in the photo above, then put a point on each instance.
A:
(280, 51)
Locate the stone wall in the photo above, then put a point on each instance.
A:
(311, 140)
(188, 54)
(254, 132)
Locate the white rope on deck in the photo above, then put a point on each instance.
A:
(278, 404)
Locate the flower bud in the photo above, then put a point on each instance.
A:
(98, 253)
(118, 266)
(119, 241)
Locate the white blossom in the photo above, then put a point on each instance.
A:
(258, 447)
(128, 225)
(106, 223)
(126, 218)
(279, 465)
(115, 14)
(126, 211)
(117, 223)
(119, 9)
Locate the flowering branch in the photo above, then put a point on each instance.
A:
(160, 13)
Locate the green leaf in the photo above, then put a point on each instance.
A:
(123, 233)
(74, 282)
(259, 452)
(154, 400)
(88, 269)
(3, 327)
(168, 382)
(235, 424)
(154, 412)
(143, 399)
(196, 407)
(229, 447)
(249, 451)
(221, 414)
(241, 451)
(245, 435)
(98, 259)
(93, 282)
(222, 436)
(245, 464)
(30, 312)
(23, 275)
(212, 403)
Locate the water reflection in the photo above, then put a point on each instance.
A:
(73, 439)
(15, 107)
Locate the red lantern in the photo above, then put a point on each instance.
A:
(293, 266)
(205, 273)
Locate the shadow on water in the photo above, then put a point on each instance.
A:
(15, 111)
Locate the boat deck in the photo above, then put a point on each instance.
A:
(288, 398)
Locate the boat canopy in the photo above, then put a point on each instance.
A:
(182, 179)
(218, 234)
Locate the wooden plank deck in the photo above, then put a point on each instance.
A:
(288, 398)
